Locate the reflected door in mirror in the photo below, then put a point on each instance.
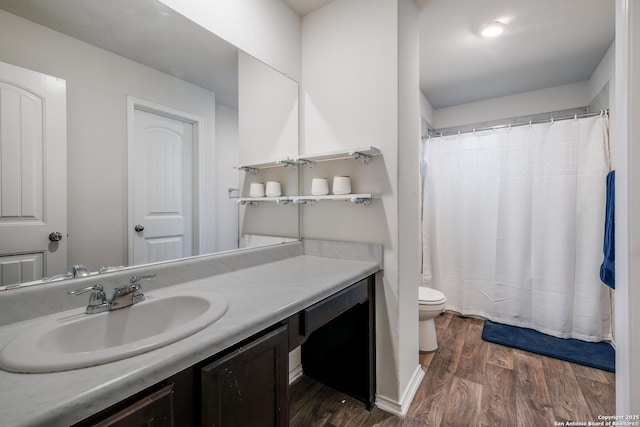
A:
(162, 187)
(33, 175)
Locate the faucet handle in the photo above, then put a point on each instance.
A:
(135, 280)
(135, 286)
(105, 269)
(98, 287)
(67, 275)
(97, 300)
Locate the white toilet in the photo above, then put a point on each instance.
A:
(431, 305)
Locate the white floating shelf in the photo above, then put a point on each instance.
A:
(364, 199)
(255, 167)
(356, 153)
(338, 197)
(363, 154)
(255, 200)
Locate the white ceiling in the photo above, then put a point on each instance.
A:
(305, 6)
(547, 43)
(145, 31)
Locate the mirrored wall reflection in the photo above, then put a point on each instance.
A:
(262, 120)
(159, 112)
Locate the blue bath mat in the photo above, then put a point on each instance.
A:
(600, 355)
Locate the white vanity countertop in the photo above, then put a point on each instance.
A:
(258, 297)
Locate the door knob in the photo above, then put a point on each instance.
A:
(139, 228)
(56, 236)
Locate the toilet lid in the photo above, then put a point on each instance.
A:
(430, 296)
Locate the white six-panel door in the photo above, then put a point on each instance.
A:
(33, 175)
(161, 170)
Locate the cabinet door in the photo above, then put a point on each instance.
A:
(154, 410)
(248, 387)
(169, 403)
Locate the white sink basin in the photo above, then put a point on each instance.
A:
(81, 340)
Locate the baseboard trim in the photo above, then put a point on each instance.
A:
(295, 373)
(401, 408)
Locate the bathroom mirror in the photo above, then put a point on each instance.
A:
(127, 58)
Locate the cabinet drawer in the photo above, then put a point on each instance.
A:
(328, 309)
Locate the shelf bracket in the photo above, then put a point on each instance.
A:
(305, 162)
(364, 201)
(248, 202)
(233, 193)
(252, 171)
(309, 202)
(288, 163)
(284, 202)
(364, 158)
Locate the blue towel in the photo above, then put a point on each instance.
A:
(608, 268)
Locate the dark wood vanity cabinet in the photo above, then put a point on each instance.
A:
(155, 410)
(247, 385)
(167, 404)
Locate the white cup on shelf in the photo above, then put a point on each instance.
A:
(319, 186)
(341, 185)
(273, 189)
(256, 189)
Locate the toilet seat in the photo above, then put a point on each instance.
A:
(429, 296)
(431, 305)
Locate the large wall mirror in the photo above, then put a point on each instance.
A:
(156, 113)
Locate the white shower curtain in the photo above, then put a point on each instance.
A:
(513, 224)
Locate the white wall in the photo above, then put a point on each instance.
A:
(517, 105)
(268, 120)
(627, 127)
(266, 29)
(227, 176)
(409, 250)
(268, 112)
(528, 103)
(98, 83)
(603, 73)
(350, 99)
(426, 110)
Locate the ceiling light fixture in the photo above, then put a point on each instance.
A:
(492, 29)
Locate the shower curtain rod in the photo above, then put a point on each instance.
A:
(510, 125)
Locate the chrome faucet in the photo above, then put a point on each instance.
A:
(78, 270)
(129, 294)
(97, 299)
(123, 296)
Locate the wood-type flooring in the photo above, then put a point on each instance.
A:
(470, 382)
